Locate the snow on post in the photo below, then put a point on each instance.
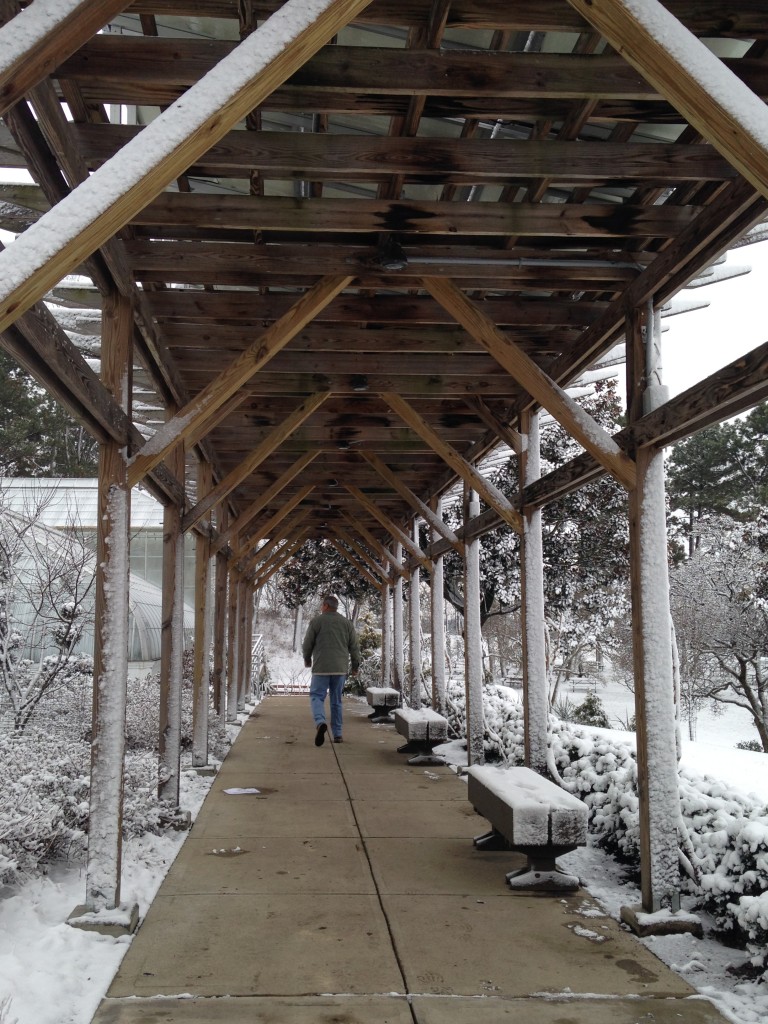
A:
(172, 657)
(110, 688)
(397, 631)
(386, 635)
(437, 615)
(534, 643)
(473, 650)
(414, 628)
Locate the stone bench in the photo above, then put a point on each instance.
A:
(383, 700)
(423, 730)
(532, 815)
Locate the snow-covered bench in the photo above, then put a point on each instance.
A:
(423, 730)
(532, 815)
(383, 700)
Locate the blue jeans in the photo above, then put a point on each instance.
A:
(317, 691)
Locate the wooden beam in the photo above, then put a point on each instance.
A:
(99, 207)
(532, 378)
(36, 41)
(262, 451)
(290, 525)
(266, 529)
(458, 161)
(356, 564)
(400, 535)
(350, 541)
(468, 473)
(375, 545)
(265, 499)
(512, 438)
(426, 513)
(711, 97)
(235, 376)
(180, 210)
(287, 552)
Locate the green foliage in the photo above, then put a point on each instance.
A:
(750, 745)
(39, 438)
(318, 567)
(591, 712)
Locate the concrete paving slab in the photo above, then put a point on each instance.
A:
(284, 865)
(246, 817)
(271, 945)
(274, 785)
(540, 945)
(439, 866)
(436, 1010)
(412, 818)
(264, 1010)
(407, 784)
(279, 753)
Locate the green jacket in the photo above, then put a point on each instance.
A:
(329, 644)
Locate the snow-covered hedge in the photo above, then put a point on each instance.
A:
(724, 841)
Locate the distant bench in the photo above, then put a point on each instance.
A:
(383, 700)
(532, 815)
(423, 730)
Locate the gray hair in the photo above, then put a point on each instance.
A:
(331, 601)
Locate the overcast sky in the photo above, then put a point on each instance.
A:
(700, 342)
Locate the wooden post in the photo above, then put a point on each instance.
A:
(437, 615)
(201, 682)
(243, 643)
(532, 584)
(232, 650)
(249, 613)
(473, 643)
(652, 642)
(414, 629)
(397, 625)
(171, 644)
(386, 634)
(110, 660)
(219, 681)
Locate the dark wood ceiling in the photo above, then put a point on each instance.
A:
(502, 148)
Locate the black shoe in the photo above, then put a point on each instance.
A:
(338, 739)
(322, 729)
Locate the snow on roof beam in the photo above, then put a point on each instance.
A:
(696, 82)
(120, 188)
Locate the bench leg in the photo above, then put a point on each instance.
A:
(422, 751)
(380, 714)
(542, 873)
(492, 840)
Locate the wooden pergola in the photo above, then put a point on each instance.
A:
(343, 249)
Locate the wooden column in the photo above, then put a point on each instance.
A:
(249, 614)
(398, 639)
(171, 644)
(232, 650)
(473, 644)
(243, 643)
(533, 625)
(414, 629)
(652, 640)
(437, 615)
(110, 659)
(219, 681)
(201, 680)
(386, 635)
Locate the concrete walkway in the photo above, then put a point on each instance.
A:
(348, 891)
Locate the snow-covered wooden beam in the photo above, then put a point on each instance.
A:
(286, 552)
(123, 186)
(501, 430)
(468, 473)
(530, 376)
(400, 535)
(39, 38)
(436, 522)
(262, 451)
(200, 409)
(264, 499)
(696, 82)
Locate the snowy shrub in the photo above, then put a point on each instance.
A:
(725, 835)
(591, 712)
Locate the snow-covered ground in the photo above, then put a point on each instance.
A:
(51, 973)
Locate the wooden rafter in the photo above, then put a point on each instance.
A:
(400, 535)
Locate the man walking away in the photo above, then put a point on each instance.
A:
(330, 644)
